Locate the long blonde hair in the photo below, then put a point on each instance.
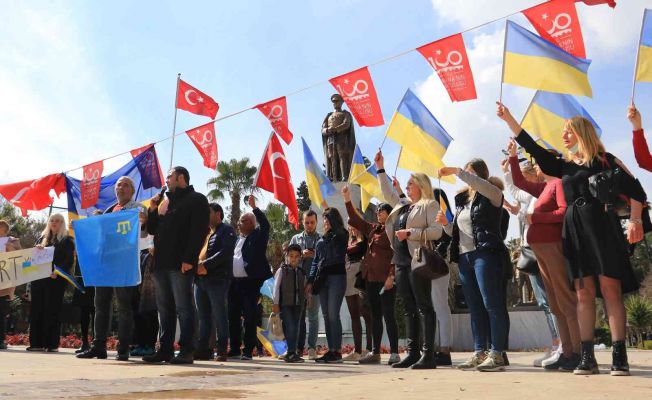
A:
(589, 144)
(56, 236)
(423, 182)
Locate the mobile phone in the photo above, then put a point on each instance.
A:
(505, 152)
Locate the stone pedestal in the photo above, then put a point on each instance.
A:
(337, 201)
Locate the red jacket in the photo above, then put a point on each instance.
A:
(641, 151)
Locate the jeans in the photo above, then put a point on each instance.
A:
(481, 273)
(174, 298)
(542, 300)
(382, 307)
(243, 299)
(415, 293)
(291, 320)
(44, 323)
(312, 311)
(331, 297)
(103, 311)
(211, 297)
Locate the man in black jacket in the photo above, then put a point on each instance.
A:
(250, 270)
(212, 285)
(179, 227)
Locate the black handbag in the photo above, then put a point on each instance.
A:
(605, 186)
(527, 261)
(426, 261)
(360, 283)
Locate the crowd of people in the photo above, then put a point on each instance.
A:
(569, 209)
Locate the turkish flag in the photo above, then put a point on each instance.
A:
(276, 112)
(34, 194)
(357, 90)
(195, 101)
(611, 3)
(146, 160)
(448, 57)
(274, 177)
(557, 22)
(203, 137)
(90, 184)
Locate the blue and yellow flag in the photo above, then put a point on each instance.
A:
(423, 140)
(644, 65)
(547, 114)
(63, 274)
(367, 178)
(319, 186)
(533, 62)
(107, 249)
(443, 206)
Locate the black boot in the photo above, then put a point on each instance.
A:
(85, 346)
(588, 365)
(619, 365)
(412, 330)
(427, 361)
(94, 352)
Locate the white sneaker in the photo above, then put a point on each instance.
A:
(554, 357)
(282, 356)
(355, 357)
(537, 361)
(312, 354)
(393, 359)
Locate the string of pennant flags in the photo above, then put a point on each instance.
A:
(552, 62)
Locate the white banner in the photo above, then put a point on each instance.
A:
(22, 266)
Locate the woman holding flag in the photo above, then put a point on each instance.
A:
(592, 237)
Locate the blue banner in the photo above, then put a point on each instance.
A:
(107, 249)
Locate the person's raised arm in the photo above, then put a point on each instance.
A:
(386, 188)
(482, 186)
(355, 220)
(641, 149)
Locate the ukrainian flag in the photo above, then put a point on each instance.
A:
(533, 62)
(367, 178)
(423, 140)
(644, 65)
(547, 114)
(444, 208)
(319, 186)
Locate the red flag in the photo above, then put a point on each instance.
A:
(611, 3)
(274, 177)
(203, 137)
(276, 112)
(150, 169)
(90, 184)
(557, 22)
(357, 90)
(34, 194)
(448, 57)
(195, 101)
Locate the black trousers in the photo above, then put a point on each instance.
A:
(145, 328)
(44, 323)
(4, 310)
(243, 311)
(382, 307)
(419, 312)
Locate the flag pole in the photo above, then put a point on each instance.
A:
(398, 160)
(502, 76)
(174, 123)
(638, 52)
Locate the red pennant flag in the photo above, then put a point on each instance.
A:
(203, 137)
(34, 194)
(557, 22)
(448, 57)
(274, 177)
(195, 101)
(90, 184)
(357, 90)
(150, 169)
(611, 3)
(276, 112)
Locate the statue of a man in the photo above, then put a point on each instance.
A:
(338, 139)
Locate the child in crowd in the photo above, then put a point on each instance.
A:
(289, 299)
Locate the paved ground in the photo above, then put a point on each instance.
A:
(60, 375)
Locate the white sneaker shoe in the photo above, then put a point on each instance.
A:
(393, 359)
(554, 357)
(537, 361)
(355, 357)
(312, 354)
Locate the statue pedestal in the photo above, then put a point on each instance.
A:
(337, 201)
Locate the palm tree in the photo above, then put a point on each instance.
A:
(235, 178)
(639, 316)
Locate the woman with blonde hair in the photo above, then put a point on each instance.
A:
(593, 241)
(407, 225)
(47, 293)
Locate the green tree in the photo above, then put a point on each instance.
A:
(27, 229)
(281, 231)
(639, 316)
(303, 198)
(234, 177)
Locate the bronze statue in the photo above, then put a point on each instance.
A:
(338, 138)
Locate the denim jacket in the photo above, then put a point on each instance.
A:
(330, 251)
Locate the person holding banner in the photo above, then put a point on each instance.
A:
(47, 294)
(179, 233)
(592, 237)
(124, 193)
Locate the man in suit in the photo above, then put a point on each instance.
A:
(250, 270)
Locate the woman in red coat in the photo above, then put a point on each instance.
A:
(641, 150)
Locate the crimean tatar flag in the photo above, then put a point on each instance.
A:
(367, 178)
(533, 62)
(644, 65)
(423, 140)
(319, 186)
(547, 114)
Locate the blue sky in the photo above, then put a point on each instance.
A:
(85, 80)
